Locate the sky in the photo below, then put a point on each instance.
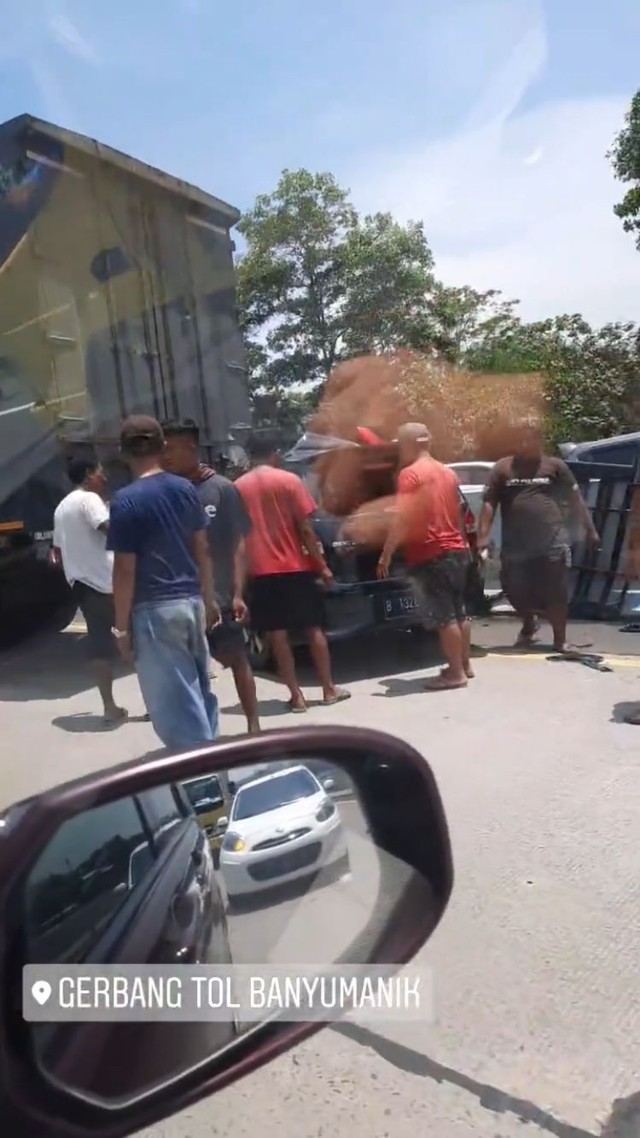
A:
(487, 119)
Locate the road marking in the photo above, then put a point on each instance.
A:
(541, 657)
(536, 657)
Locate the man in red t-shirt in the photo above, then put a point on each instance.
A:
(285, 561)
(430, 529)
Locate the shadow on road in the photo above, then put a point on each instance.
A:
(85, 723)
(622, 710)
(394, 686)
(623, 1122)
(368, 657)
(268, 708)
(50, 667)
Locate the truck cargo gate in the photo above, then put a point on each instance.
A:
(598, 588)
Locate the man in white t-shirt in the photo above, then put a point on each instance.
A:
(80, 527)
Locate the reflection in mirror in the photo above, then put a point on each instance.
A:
(273, 867)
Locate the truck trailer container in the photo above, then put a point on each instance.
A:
(117, 296)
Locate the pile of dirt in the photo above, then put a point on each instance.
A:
(472, 415)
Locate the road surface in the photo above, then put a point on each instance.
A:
(535, 964)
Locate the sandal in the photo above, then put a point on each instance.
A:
(296, 710)
(340, 697)
(439, 683)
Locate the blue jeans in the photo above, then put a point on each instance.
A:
(172, 661)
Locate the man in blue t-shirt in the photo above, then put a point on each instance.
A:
(163, 592)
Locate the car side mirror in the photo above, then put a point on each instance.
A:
(122, 1004)
(222, 823)
(328, 783)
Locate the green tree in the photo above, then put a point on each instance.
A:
(625, 157)
(388, 282)
(465, 322)
(591, 375)
(290, 285)
(318, 284)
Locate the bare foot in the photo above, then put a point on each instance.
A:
(113, 716)
(254, 728)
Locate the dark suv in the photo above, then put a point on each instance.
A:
(346, 478)
(130, 882)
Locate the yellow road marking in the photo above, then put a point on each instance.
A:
(541, 657)
(536, 657)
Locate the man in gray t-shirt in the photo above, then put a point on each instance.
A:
(228, 525)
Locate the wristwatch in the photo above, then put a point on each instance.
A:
(119, 634)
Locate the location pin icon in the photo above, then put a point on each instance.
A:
(41, 991)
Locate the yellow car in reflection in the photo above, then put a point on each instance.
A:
(210, 803)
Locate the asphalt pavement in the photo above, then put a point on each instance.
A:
(536, 1026)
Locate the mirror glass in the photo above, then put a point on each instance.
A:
(270, 865)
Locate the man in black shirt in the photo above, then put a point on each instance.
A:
(537, 496)
(228, 525)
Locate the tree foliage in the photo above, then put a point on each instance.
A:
(625, 156)
(318, 283)
(347, 325)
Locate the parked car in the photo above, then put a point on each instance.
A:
(472, 473)
(129, 881)
(210, 802)
(281, 828)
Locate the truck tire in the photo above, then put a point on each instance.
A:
(43, 604)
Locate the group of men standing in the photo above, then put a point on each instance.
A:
(170, 572)
(162, 575)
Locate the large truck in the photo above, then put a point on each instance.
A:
(117, 295)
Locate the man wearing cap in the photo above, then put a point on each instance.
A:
(228, 526)
(163, 590)
(429, 529)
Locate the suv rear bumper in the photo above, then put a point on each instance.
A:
(362, 606)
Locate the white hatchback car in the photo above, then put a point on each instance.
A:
(281, 828)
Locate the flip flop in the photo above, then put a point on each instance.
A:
(108, 722)
(340, 697)
(296, 710)
(437, 684)
(527, 641)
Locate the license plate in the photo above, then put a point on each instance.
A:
(402, 604)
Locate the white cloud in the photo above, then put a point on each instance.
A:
(519, 201)
(541, 231)
(69, 36)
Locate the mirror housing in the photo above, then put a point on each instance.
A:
(405, 818)
(328, 783)
(222, 824)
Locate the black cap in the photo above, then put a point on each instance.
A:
(140, 427)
